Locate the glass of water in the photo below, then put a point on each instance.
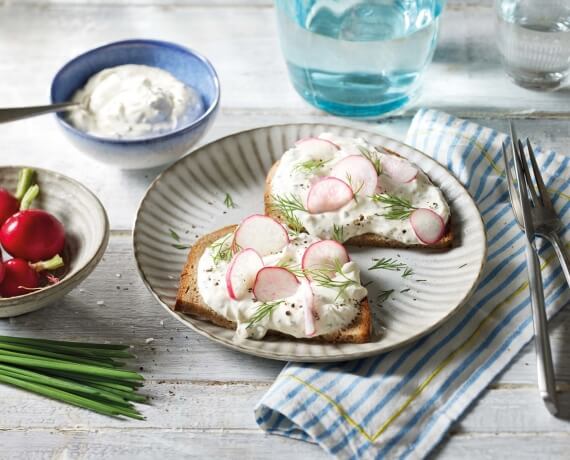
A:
(357, 58)
(534, 41)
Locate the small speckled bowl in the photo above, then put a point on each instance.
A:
(186, 65)
(87, 234)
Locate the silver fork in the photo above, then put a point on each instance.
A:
(523, 214)
(547, 224)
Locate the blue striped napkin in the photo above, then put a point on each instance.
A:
(401, 404)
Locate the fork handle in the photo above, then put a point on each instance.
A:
(561, 253)
(545, 368)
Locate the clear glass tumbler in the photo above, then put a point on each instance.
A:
(357, 58)
(534, 41)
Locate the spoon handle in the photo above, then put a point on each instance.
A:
(18, 113)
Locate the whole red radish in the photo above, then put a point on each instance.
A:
(33, 235)
(21, 277)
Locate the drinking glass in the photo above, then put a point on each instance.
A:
(534, 41)
(357, 58)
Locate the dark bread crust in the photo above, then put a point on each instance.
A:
(366, 239)
(190, 302)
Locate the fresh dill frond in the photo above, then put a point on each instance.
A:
(383, 295)
(286, 206)
(229, 202)
(407, 272)
(326, 278)
(221, 251)
(310, 166)
(265, 309)
(295, 269)
(338, 233)
(397, 208)
(373, 158)
(173, 235)
(354, 188)
(386, 263)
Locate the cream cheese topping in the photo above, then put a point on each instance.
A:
(134, 101)
(359, 216)
(331, 311)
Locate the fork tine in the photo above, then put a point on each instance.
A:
(544, 195)
(526, 172)
(513, 194)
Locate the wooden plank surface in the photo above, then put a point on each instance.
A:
(203, 394)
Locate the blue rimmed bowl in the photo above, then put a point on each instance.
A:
(185, 64)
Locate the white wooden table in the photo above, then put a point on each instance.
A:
(203, 394)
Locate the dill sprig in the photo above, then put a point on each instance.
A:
(372, 157)
(383, 295)
(286, 206)
(338, 233)
(264, 309)
(221, 251)
(295, 269)
(386, 263)
(326, 278)
(407, 272)
(310, 166)
(397, 208)
(355, 190)
(229, 202)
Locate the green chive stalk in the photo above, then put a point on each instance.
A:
(84, 375)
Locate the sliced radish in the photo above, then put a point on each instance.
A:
(316, 147)
(328, 194)
(428, 225)
(323, 255)
(241, 273)
(399, 170)
(273, 283)
(358, 172)
(262, 233)
(309, 301)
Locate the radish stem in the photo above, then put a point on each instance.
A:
(24, 182)
(52, 264)
(30, 195)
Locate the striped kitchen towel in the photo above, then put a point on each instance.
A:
(401, 404)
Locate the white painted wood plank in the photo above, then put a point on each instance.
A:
(229, 406)
(466, 76)
(166, 445)
(131, 315)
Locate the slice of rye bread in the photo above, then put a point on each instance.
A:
(190, 302)
(366, 239)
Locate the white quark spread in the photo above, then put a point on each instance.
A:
(359, 216)
(331, 313)
(134, 101)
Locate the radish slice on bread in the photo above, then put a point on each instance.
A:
(328, 194)
(316, 147)
(274, 283)
(323, 255)
(358, 172)
(428, 226)
(241, 273)
(399, 170)
(262, 233)
(309, 304)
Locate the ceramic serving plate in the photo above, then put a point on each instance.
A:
(189, 198)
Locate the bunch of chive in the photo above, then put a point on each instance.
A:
(85, 375)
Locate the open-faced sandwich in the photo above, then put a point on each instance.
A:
(345, 189)
(260, 278)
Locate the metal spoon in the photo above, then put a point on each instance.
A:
(18, 113)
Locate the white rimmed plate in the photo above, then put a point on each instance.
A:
(188, 198)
